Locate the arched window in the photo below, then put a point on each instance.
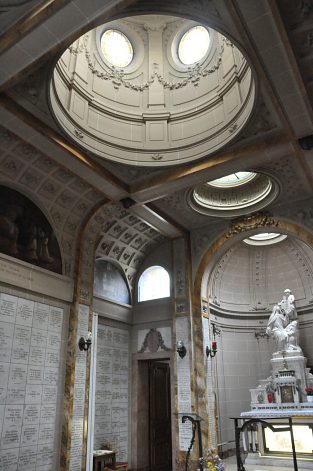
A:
(154, 283)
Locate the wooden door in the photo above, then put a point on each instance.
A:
(160, 430)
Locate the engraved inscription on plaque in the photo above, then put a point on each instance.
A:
(111, 408)
(29, 378)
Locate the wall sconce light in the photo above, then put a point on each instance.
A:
(211, 352)
(84, 344)
(181, 349)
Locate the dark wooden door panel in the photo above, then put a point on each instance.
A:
(160, 417)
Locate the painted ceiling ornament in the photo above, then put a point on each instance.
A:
(250, 222)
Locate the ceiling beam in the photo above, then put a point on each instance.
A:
(70, 157)
(244, 158)
(32, 18)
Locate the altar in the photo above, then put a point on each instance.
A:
(286, 394)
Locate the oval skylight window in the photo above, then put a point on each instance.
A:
(116, 48)
(234, 179)
(265, 238)
(194, 45)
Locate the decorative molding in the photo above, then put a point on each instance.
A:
(157, 156)
(249, 222)
(153, 342)
(117, 76)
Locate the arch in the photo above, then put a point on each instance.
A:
(245, 227)
(25, 232)
(153, 283)
(110, 282)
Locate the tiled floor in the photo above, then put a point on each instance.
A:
(230, 465)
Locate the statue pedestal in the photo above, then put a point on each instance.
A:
(287, 383)
(280, 396)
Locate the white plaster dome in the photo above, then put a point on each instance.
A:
(251, 279)
(234, 195)
(153, 103)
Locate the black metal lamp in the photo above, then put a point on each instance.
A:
(181, 349)
(84, 344)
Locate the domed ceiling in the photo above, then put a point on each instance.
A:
(233, 195)
(251, 278)
(152, 91)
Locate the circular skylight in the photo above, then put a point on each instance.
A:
(116, 48)
(233, 195)
(194, 45)
(265, 238)
(234, 179)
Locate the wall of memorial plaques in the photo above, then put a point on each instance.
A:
(111, 393)
(31, 386)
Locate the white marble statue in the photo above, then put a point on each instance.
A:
(288, 305)
(282, 324)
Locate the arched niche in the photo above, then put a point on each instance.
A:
(110, 283)
(25, 232)
(239, 335)
(243, 230)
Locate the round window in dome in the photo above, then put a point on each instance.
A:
(194, 45)
(116, 48)
(234, 179)
(265, 238)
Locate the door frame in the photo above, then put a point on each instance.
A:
(135, 442)
(150, 363)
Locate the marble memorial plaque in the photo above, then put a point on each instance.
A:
(52, 358)
(41, 316)
(9, 459)
(35, 374)
(111, 417)
(2, 409)
(46, 433)
(11, 435)
(53, 341)
(37, 356)
(8, 307)
(4, 375)
(48, 412)
(55, 319)
(6, 335)
(18, 374)
(24, 313)
(15, 395)
(38, 338)
(49, 394)
(13, 415)
(28, 415)
(50, 375)
(27, 458)
(29, 434)
(45, 454)
(32, 413)
(33, 394)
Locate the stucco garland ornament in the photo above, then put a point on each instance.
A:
(117, 76)
(250, 222)
(153, 341)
